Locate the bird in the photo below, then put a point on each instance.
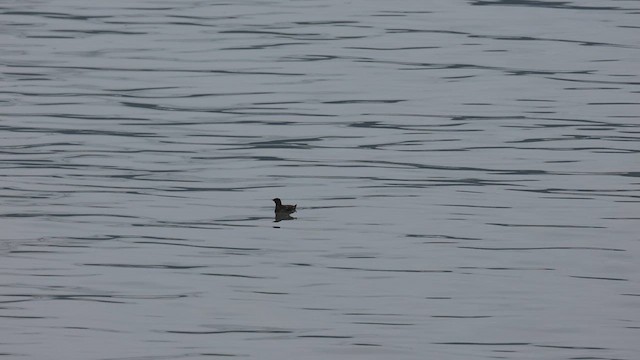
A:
(284, 209)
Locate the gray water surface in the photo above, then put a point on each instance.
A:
(466, 174)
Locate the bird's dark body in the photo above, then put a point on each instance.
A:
(284, 209)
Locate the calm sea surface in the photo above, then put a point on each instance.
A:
(466, 173)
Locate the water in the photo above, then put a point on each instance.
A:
(466, 174)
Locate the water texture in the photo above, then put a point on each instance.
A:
(466, 174)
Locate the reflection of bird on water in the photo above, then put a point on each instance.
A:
(283, 216)
(283, 212)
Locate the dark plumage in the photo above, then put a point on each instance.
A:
(284, 209)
